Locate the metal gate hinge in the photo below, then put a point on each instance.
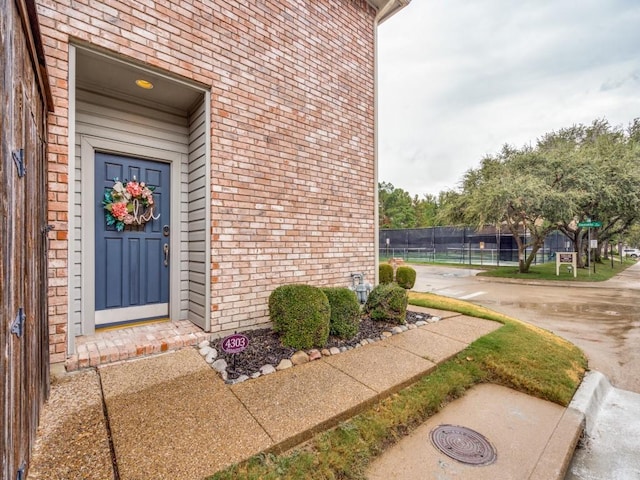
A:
(18, 159)
(17, 326)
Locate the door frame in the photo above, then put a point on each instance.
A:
(132, 309)
(88, 147)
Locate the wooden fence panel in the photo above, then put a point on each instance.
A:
(7, 231)
(24, 368)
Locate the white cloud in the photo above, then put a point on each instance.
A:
(458, 79)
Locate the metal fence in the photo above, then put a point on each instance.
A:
(461, 245)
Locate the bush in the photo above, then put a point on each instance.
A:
(385, 272)
(405, 277)
(345, 312)
(300, 314)
(387, 302)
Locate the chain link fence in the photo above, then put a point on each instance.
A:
(462, 245)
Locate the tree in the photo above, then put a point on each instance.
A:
(603, 168)
(398, 210)
(508, 190)
(632, 236)
(569, 176)
(396, 207)
(426, 210)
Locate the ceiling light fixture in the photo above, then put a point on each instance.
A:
(146, 84)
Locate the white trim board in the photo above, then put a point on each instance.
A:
(117, 315)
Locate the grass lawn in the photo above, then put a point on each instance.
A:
(547, 271)
(517, 355)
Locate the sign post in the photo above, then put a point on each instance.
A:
(589, 225)
(235, 344)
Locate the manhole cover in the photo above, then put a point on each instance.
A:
(463, 444)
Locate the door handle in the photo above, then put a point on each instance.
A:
(165, 249)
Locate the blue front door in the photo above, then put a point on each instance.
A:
(132, 257)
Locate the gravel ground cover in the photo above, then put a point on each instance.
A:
(265, 347)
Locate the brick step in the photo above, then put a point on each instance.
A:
(115, 345)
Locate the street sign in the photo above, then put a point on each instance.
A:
(590, 224)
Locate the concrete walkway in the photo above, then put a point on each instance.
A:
(531, 438)
(171, 417)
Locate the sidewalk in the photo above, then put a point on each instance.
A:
(172, 417)
(532, 439)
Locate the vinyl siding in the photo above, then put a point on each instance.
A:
(196, 280)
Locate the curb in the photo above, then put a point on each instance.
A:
(590, 397)
(558, 453)
(538, 283)
(579, 417)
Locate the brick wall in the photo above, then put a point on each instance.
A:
(292, 177)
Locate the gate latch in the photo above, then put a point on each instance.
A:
(17, 326)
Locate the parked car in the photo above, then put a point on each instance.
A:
(631, 252)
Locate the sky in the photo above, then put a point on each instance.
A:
(458, 79)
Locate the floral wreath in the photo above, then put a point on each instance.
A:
(129, 203)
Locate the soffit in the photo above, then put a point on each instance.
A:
(115, 78)
(395, 7)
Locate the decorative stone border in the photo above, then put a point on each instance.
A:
(300, 357)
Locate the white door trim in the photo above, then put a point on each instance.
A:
(118, 315)
(88, 147)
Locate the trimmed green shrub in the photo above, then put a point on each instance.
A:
(345, 312)
(405, 277)
(387, 302)
(385, 272)
(300, 314)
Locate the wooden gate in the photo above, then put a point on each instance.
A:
(24, 365)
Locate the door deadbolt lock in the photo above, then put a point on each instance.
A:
(165, 230)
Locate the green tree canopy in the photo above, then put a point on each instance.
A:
(399, 210)
(507, 189)
(570, 175)
(602, 164)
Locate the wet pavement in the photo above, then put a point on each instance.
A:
(603, 319)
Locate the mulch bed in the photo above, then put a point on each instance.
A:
(265, 347)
